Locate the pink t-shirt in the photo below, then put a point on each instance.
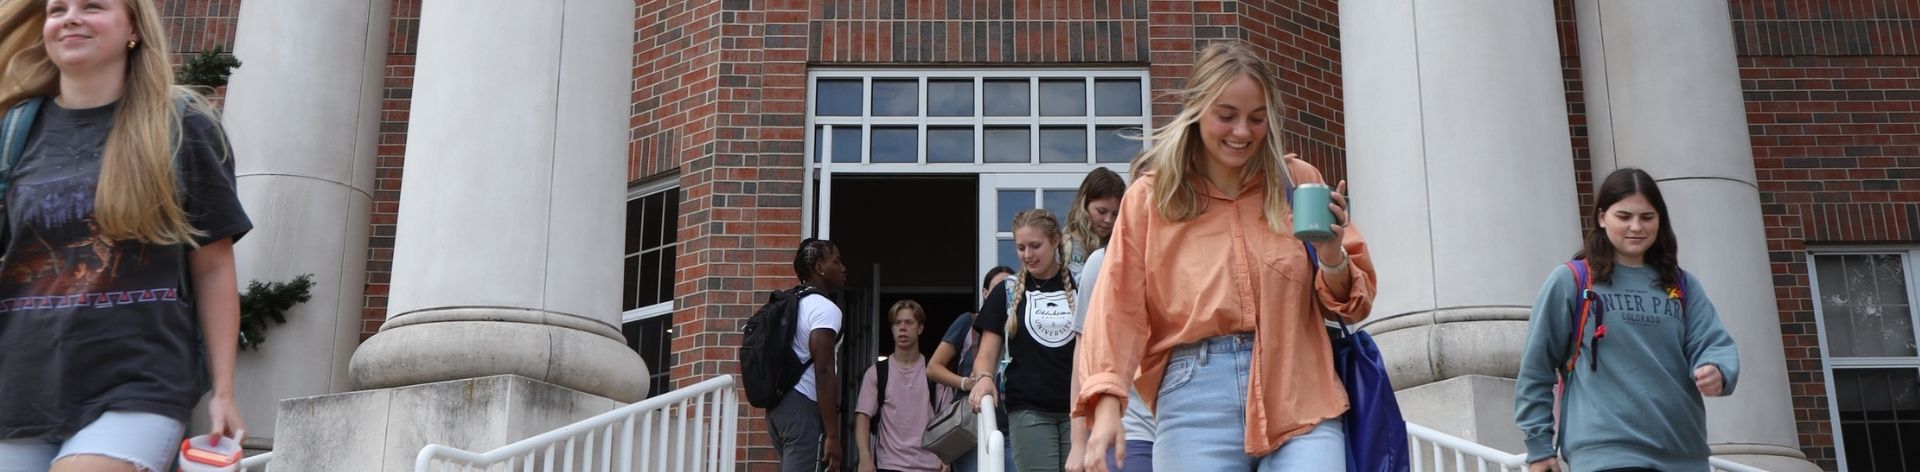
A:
(897, 445)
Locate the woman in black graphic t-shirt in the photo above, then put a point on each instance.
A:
(1039, 335)
(120, 222)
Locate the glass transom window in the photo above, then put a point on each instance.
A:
(963, 118)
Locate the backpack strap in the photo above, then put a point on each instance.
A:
(800, 293)
(879, 395)
(1584, 298)
(13, 144)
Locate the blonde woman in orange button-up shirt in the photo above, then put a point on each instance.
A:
(1208, 294)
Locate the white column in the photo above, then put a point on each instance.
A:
(303, 113)
(507, 257)
(1663, 94)
(1462, 176)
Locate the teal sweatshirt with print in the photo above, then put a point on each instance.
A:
(1638, 407)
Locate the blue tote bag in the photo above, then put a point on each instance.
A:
(1376, 433)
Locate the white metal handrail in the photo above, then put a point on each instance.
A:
(257, 463)
(1433, 450)
(1443, 451)
(690, 429)
(990, 444)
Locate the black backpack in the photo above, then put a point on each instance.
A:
(880, 396)
(768, 366)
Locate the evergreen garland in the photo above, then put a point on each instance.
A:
(269, 301)
(210, 69)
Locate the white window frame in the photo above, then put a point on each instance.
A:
(1827, 361)
(642, 191)
(823, 170)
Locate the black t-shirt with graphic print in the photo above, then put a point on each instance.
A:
(90, 325)
(1042, 347)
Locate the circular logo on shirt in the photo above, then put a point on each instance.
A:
(1049, 318)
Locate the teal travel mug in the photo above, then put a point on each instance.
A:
(1312, 221)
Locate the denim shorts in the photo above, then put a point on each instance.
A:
(148, 441)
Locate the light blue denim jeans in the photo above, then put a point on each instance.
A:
(1202, 415)
(148, 441)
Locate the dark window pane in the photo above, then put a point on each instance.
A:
(1063, 97)
(895, 145)
(1116, 97)
(950, 145)
(1879, 413)
(652, 211)
(652, 338)
(1008, 144)
(666, 278)
(837, 97)
(629, 289)
(846, 143)
(1005, 97)
(1010, 203)
(896, 97)
(950, 97)
(636, 223)
(1060, 145)
(1117, 144)
(670, 220)
(649, 287)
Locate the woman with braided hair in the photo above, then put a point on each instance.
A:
(1032, 318)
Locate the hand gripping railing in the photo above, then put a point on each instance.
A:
(690, 429)
(990, 444)
(1437, 451)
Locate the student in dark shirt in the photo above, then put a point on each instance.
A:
(1035, 326)
(952, 362)
(120, 222)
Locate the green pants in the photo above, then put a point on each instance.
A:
(1040, 440)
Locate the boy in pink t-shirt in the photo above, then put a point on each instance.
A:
(910, 401)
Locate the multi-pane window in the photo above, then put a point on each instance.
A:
(963, 117)
(652, 243)
(1866, 316)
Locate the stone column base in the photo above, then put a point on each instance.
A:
(1477, 408)
(443, 344)
(1767, 457)
(384, 430)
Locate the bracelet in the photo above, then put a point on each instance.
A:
(1344, 258)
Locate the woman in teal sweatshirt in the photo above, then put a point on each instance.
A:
(1650, 347)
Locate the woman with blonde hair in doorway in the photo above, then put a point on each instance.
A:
(1206, 292)
(1031, 316)
(119, 202)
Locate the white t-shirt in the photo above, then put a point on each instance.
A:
(816, 312)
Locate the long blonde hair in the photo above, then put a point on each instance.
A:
(1044, 221)
(1177, 150)
(138, 196)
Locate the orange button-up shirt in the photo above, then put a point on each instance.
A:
(1167, 283)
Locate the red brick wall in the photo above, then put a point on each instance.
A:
(1831, 89)
(194, 26)
(403, 30)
